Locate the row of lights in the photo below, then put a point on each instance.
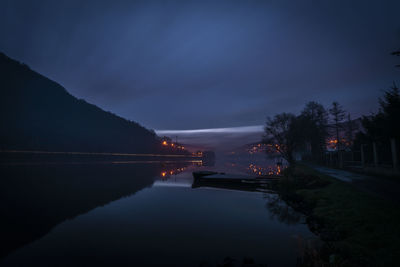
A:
(172, 172)
(165, 143)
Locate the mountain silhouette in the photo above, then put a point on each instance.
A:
(37, 113)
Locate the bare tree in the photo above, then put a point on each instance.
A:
(281, 132)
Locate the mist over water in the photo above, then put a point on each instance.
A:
(221, 140)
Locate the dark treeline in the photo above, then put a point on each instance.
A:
(383, 125)
(316, 129)
(382, 131)
(306, 131)
(39, 114)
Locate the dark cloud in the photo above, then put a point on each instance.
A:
(205, 64)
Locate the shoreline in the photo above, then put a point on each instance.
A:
(49, 157)
(357, 228)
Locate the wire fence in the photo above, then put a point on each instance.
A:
(381, 155)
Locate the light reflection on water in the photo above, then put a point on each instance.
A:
(256, 167)
(164, 221)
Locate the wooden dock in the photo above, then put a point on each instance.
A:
(227, 177)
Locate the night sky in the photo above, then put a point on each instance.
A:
(181, 65)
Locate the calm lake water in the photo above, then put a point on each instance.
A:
(140, 214)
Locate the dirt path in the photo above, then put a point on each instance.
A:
(387, 188)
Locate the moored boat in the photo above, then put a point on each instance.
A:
(227, 177)
(200, 174)
(221, 176)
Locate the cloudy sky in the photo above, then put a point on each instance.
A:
(183, 65)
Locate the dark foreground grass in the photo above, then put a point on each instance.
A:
(359, 229)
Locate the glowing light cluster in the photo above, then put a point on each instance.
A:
(265, 171)
(257, 148)
(166, 173)
(173, 145)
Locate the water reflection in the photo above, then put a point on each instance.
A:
(35, 198)
(281, 211)
(251, 187)
(157, 219)
(171, 169)
(265, 170)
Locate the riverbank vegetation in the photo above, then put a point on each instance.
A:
(358, 229)
(318, 130)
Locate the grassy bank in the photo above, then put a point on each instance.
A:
(359, 229)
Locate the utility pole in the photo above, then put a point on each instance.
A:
(362, 155)
(375, 151)
(394, 154)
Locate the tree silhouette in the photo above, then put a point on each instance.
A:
(282, 132)
(338, 115)
(384, 124)
(396, 53)
(314, 119)
(350, 128)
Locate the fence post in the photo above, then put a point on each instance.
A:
(375, 154)
(394, 154)
(340, 155)
(362, 156)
